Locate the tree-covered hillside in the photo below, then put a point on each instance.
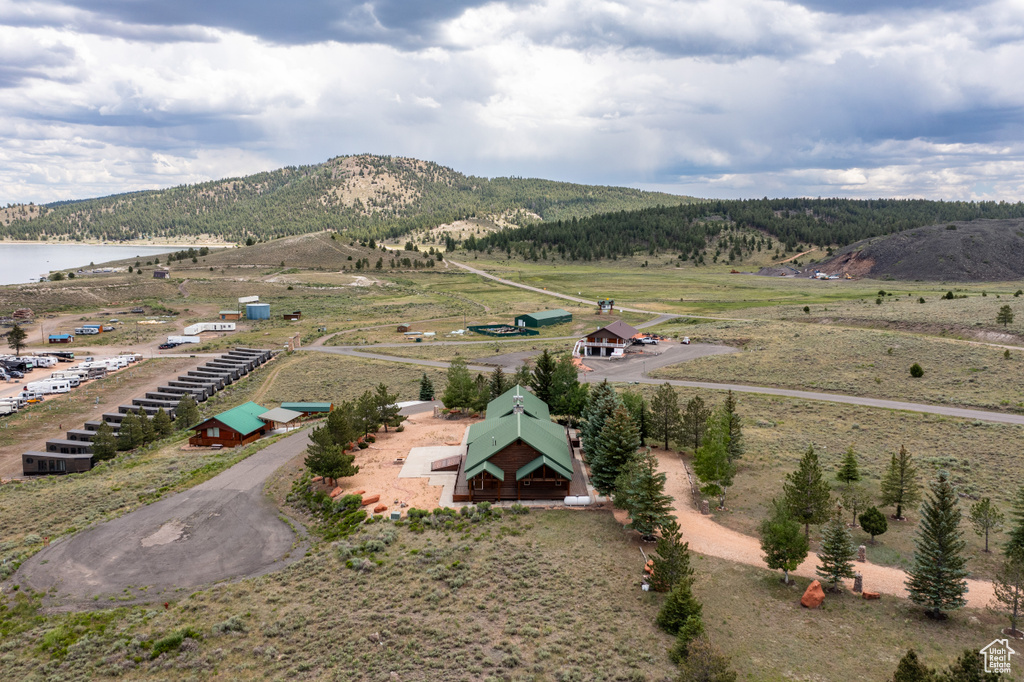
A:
(377, 196)
(686, 228)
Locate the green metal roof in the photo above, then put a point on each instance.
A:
(543, 460)
(245, 418)
(492, 469)
(547, 315)
(307, 407)
(503, 405)
(546, 438)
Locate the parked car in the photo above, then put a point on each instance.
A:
(686, 340)
(15, 374)
(166, 346)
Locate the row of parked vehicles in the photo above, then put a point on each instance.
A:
(62, 380)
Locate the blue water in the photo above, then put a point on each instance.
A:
(20, 263)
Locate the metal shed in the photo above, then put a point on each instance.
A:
(545, 318)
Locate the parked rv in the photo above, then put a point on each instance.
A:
(48, 386)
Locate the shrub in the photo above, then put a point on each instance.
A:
(232, 624)
(807, 309)
(360, 565)
(921, 299)
(691, 630)
(949, 296)
(518, 509)
(363, 445)
(374, 546)
(916, 371)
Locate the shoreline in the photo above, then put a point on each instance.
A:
(137, 242)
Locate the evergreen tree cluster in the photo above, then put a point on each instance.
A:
(688, 229)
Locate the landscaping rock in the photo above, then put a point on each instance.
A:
(370, 499)
(336, 492)
(813, 596)
(858, 582)
(871, 595)
(380, 508)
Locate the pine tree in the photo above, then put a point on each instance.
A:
(601, 403)
(186, 414)
(911, 669)
(635, 403)
(806, 494)
(619, 441)
(568, 395)
(344, 425)
(131, 434)
(666, 419)
(362, 415)
(968, 667)
(899, 485)
(640, 490)
(386, 404)
(678, 607)
(734, 425)
(849, 470)
(522, 376)
(498, 383)
(1004, 316)
(104, 444)
(326, 458)
(1009, 588)
(427, 388)
(855, 498)
(837, 552)
(543, 372)
(459, 391)
(986, 518)
(873, 523)
(784, 546)
(695, 421)
(16, 339)
(671, 558)
(711, 462)
(1016, 541)
(936, 579)
(162, 424)
(149, 433)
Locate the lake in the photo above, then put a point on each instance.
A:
(20, 263)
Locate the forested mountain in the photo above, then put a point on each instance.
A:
(375, 196)
(687, 228)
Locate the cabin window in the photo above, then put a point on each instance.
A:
(526, 481)
(61, 466)
(558, 484)
(53, 465)
(478, 483)
(29, 460)
(213, 432)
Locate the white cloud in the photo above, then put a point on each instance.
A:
(713, 98)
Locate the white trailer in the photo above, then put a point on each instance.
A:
(183, 339)
(201, 327)
(87, 331)
(130, 357)
(72, 378)
(48, 386)
(41, 360)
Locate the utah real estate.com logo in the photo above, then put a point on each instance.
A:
(997, 656)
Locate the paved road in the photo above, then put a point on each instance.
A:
(222, 529)
(633, 370)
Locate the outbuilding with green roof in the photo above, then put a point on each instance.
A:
(238, 426)
(544, 318)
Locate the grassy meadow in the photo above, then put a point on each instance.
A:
(855, 361)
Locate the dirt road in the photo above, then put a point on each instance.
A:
(707, 537)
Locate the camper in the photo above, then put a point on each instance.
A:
(85, 331)
(42, 360)
(131, 357)
(47, 386)
(73, 379)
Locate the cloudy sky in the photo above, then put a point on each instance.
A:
(715, 98)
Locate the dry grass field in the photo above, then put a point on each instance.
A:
(854, 361)
(553, 595)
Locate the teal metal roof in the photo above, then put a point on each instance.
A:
(546, 438)
(245, 418)
(543, 460)
(505, 403)
(307, 407)
(492, 469)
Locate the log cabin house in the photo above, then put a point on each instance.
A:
(238, 426)
(516, 453)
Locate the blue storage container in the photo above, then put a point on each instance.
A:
(257, 311)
